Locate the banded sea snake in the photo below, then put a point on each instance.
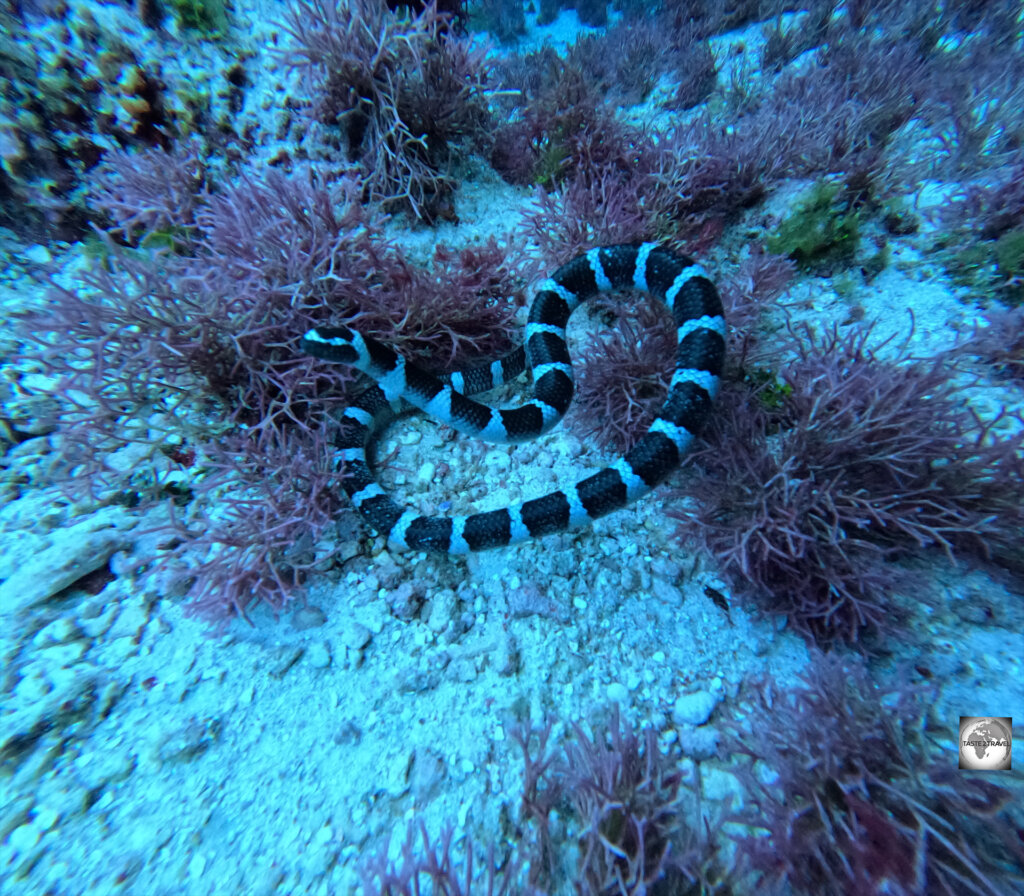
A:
(701, 330)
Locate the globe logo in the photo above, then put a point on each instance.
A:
(985, 742)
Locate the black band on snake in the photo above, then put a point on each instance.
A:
(700, 328)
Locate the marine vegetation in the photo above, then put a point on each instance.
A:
(201, 337)
(848, 794)
(611, 792)
(845, 458)
(621, 791)
(399, 90)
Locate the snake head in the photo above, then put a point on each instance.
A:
(331, 344)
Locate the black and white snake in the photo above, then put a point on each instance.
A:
(701, 330)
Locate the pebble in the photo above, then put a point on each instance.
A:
(22, 840)
(308, 617)
(96, 618)
(65, 655)
(765, 773)
(33, 686)
(698, 743)
(14, 814)
(283, 658)
(719, 785)
(618, 692)
(38, 254)
(60, 631)
(192, 739)
(129, 458)
(426, 775)
(99, 768)
(354, 635)
(442, 610)
(41, 575)
(688, 770)
(507, 655)
(45, 818)
(318, 654)
(694, 709)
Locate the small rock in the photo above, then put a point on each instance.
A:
(415, 681)
(195, 738)
(698, 743)
(976, 612)
(96, 618)
(442, 610)
(665, 592)
(129, 458)
(666, 568)
(60, 631)
(98, 768)
(764, 773)
(64, 562)
(65, 655)
(33, 685)
(688, 769)
(132, 617)
(354, 635)
(305, 618)
(319, 655)
(389, 573)
(618, 692)
(507, 657)
(719, 784)
(404, 602)
(529, 600)
(694, 709)
(38, 254)
(285, 659)
(15, 813)
(22, 848)
(347, 733)
(426, 775)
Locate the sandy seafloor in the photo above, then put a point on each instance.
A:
(154, 757)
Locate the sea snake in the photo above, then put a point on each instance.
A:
(700, 329)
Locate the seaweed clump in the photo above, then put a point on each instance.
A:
(843, 461)
(623, 792)
(984, 246)
(187, 354)
(822, 227)
(614, 791)
(854, 798)
(400, 90)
